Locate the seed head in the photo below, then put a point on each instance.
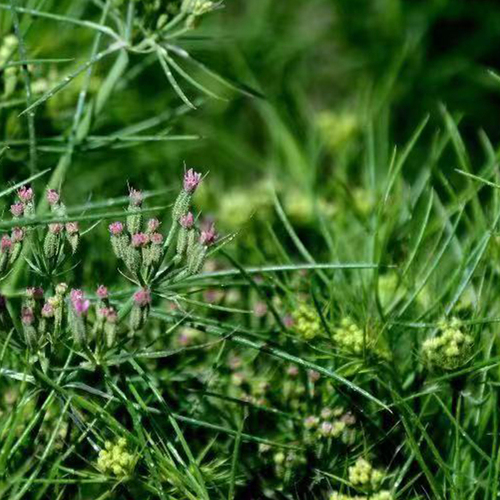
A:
(191, 180)
(17, 210)
(52, 196)
(142, 297)
(116, 228)
(187, 221)
(25, 194)
(140, 240)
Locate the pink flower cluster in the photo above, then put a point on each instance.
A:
(208, 235)
(53, 196)
(136, 197)
(187, 221)
(142, 297)
(116, 228)
(191, 181)
(80, 303)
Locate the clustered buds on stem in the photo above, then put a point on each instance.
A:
(140, 309)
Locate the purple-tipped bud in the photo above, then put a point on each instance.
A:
(187, 221)
(102, 292)
(288, 321)
(34, 292)
(5, 244)
(136, 197)
(17, 235)
(260, 309)
(80, 304)
(25, 194)
(208, 235)
(142, 298)
(153, 225)
(140, 240)
(111, 315)
(52, 196)
(191, 180)
(27, 316)
(116, 228)
(156, 239)
(72, 227)
(48, 310)
(17, 210)
(55, 228)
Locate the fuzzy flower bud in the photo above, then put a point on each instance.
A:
(17, 209)
(72, 228)
(61, 289)
(17, 235)
(153, 225)
(140, 240)
(35, 293)
(5, 244)
(187, 221)
(56, 228)
(52, 196)
(25, 194)
(27, 316)
(156, 239)
(116, 228)
(136, 197)
(102, 292)
(142, 298)
(191, 181)
(208, 235)
(48, 310)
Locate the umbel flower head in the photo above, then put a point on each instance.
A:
(115, 459)
(306, 322)
(450, 349)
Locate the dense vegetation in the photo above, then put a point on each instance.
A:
(249, 250)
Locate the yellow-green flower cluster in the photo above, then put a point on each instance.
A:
(337, 128)
(336, 424)
(450, 349)
(350, 337)
(307, 323)
(363, 474)
(115, 459)
(381, 495)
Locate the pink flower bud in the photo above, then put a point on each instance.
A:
(208, 235)
(34, 292)
(17, 210)
(191, 180)
(142, 297)
(47, 310)
(140, 240)
(153, 225)
(27, 316)
(156, 239)
(75, 295)
(102, 292)
(81, 306)
(52, 196)
(288, 321)
(55, 228)
(17, 235)
(111, 315)
(260, 309)
(25, 194)
(5, 244)
(187, 221)
(116, 228)
(72, 227)
(136, 197)
(293, 371)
